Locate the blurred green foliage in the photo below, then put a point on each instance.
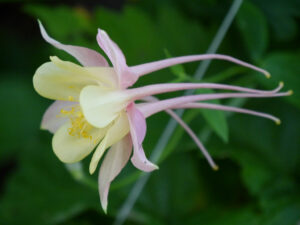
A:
(259, 178)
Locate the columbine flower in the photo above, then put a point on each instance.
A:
(94, 109)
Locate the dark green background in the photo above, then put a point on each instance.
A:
(259, 178)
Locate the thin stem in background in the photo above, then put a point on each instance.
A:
(167, 133)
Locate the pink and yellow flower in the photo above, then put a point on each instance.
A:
(95, 109)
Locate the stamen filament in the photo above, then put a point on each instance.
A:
(80, 126)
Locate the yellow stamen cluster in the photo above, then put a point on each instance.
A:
(80, 127)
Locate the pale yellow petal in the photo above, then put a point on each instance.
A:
(70, 149)
(116, 132)
(101, 106)
(62, 80)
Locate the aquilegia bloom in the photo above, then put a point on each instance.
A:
(94, 109)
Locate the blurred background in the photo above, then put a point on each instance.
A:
(258, 182)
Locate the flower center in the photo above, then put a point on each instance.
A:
(80, 127)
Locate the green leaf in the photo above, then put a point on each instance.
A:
(277, 146)
(62, 21)
(286, 214)
(20, 113)
(255, 172)
(177, 70)
(269, 157)
(285, 67)
(243, 215)
(167, 192)
(253, 27)
(41, 191)
(282, 17)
